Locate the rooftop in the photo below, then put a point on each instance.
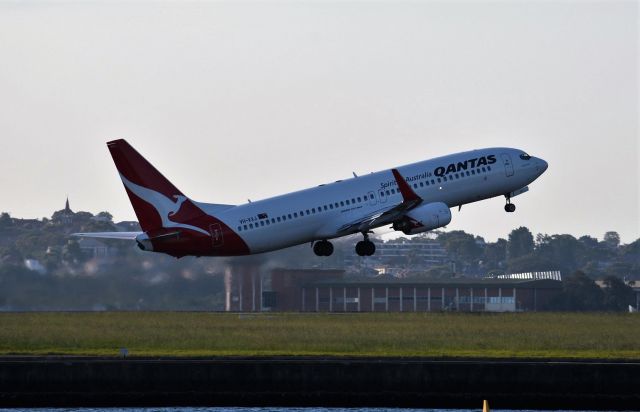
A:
(422, 283)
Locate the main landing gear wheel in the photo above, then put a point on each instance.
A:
(365, 247)
(323, 248)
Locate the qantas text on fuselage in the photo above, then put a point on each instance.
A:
(413, 198)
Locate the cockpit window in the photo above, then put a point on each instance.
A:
(525, 156)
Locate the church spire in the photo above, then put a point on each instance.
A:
(66, 206)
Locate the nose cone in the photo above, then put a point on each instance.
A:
(541, 165)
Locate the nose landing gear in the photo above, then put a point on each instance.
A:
(365, 247)
(509, 207)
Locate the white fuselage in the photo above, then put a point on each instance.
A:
(312, 214)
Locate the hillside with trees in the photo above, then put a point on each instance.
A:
(42, 267)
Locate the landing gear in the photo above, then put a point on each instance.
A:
(323, 248)
(509, 207)
(365, 247)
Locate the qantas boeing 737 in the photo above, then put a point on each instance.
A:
(413, 198)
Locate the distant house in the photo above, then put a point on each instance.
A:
(93, 248)
(425, 252)
(128, 226)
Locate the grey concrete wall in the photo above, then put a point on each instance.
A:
(388, 382)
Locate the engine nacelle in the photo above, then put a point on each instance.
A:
(423, 218)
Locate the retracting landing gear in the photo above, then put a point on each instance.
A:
(323, 248)
(365, 247)
(509, 207)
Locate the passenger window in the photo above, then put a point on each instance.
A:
(325, 207)
(387, 193)
(381, 194)
(330, 206)
(353, 201)
(444, 178)
(341, 203)
(484, 170)
(433, 182)
(289, 216)
(308, 213)
(239, 228)
(439, 180)
(421, 184)
(245, 227)
(393, 191)
(372, 197)
(337, 205)
(268, 223)
(415, 186)
(262, 223)
(473, 172)
(313, 210)
(278, 218)
(347, 201)
(488, 167)
(250, 225)
(468, 173)
(273, 220)
(295, 215)
(359, 200)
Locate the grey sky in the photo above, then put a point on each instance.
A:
(248, 100)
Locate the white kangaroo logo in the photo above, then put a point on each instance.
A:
(178, 204)
(163, 205)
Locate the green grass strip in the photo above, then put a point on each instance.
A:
(525, 335)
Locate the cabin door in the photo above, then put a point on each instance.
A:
(372, 198)
(508, 165)
(381, 196)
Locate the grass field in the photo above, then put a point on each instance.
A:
(556, 335)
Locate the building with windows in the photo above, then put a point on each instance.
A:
(403, 295)
(312, 290)
(420, 251)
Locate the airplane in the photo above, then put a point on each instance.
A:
(413, 198)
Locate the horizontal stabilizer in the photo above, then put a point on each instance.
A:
(109, 235)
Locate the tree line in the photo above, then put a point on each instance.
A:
(128, 278)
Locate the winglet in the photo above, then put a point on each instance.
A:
(407, 192)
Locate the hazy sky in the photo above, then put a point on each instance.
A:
(245, 100)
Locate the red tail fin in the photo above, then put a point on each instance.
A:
(152, 196)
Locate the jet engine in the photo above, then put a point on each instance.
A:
(423, 218)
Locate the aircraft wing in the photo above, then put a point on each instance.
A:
(109, 235)
(384, 216)
(379, 218)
